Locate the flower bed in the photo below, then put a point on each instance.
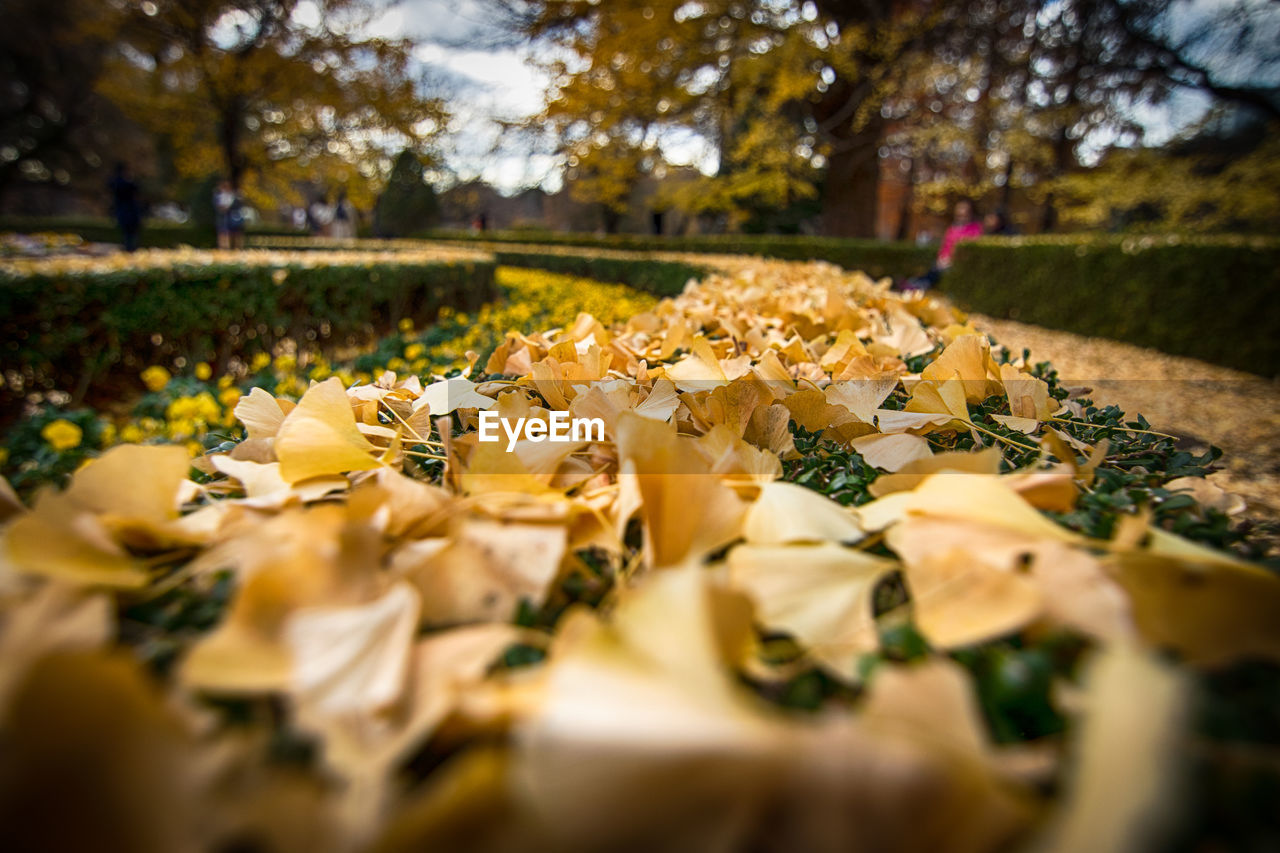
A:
(840, 573)
(193, 403)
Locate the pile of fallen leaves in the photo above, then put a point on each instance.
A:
(841, 575)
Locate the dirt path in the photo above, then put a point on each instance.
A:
(1204, 403)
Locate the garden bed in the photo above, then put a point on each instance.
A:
(838, 562)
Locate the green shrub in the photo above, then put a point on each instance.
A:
(1208, 298)
(154, 235)
(90, 331)
(875, 257)
(659, 277)
(408, 203)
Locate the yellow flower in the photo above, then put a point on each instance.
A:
(224, 381)
(406, 325)
(195, 448)
(155, 377)
(131, 434)
(203, 371)
(260, 360)
(228, 397)
(413, 351)
(290, 386)
(286, 364)
(180, 428)
(62, 434)
(109, 435)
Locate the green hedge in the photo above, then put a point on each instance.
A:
(875, 257)
(1211, 299)
(90, 332)
(659, 277)
(154, 235)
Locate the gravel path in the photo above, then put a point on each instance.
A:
(1200, 402)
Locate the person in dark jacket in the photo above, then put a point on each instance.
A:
(126, 206)
(996, 224)
(228, 210)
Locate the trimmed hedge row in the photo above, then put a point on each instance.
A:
(874, 257)
(659, 277)
(1215, 300)
(90, 332)
(1209, 298)
(154, 235)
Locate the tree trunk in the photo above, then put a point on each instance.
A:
(908, 197)
(229, 136)
(1006, 192)
(1063, 154)
(851, 193)
(612, 219)
(1048, 216)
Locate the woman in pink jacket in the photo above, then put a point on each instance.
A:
(964, 226)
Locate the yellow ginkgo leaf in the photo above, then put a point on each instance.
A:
(320, 436)
(891, 452)
(1126, 780)
(1212, 613)
(671, 475)
(484, 569)
(821, 594)
(261, 413)
(785, 513)
(447, 395)
(352, 659)
(956, 601)
(127, 499)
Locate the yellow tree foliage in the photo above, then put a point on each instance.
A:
(783, 94)
(1178, 193)
(272, 93)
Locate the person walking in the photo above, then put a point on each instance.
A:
(228, 210)
(964, 226)
(319, 216)
(126, 206)
(996, 224)
(344, 219)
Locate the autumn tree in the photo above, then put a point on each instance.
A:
(273, 93)
(53, 124)
(1023, 95)
(789, 95)
(1223, 175)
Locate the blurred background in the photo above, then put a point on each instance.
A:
(855, 119)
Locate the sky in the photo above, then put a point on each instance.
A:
(487, 82)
